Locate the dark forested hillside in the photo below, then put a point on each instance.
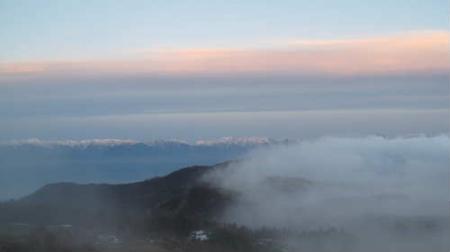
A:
(180, 193)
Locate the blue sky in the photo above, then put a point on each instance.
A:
(205, 69)
(37, 30)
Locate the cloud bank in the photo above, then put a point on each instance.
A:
(408, 176)
(354, 184)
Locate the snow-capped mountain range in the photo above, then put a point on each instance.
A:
(111, 142)
(36, 162)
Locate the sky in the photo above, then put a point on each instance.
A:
(205, 69)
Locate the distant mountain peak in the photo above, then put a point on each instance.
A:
(252, 140)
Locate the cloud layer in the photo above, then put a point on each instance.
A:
(389, 194)
(336, 181)
(418, 52)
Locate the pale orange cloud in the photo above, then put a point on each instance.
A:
(22, 68)
(420, 52)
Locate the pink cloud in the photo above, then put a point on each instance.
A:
(420, 52)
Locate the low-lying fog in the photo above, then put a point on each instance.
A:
(391, 193)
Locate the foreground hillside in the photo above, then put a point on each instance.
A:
(180, 193)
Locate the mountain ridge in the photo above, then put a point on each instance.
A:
(180, 193)
(111, 142)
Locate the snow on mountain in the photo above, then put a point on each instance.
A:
(69, 142)
(243, 141)
(237, 141)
